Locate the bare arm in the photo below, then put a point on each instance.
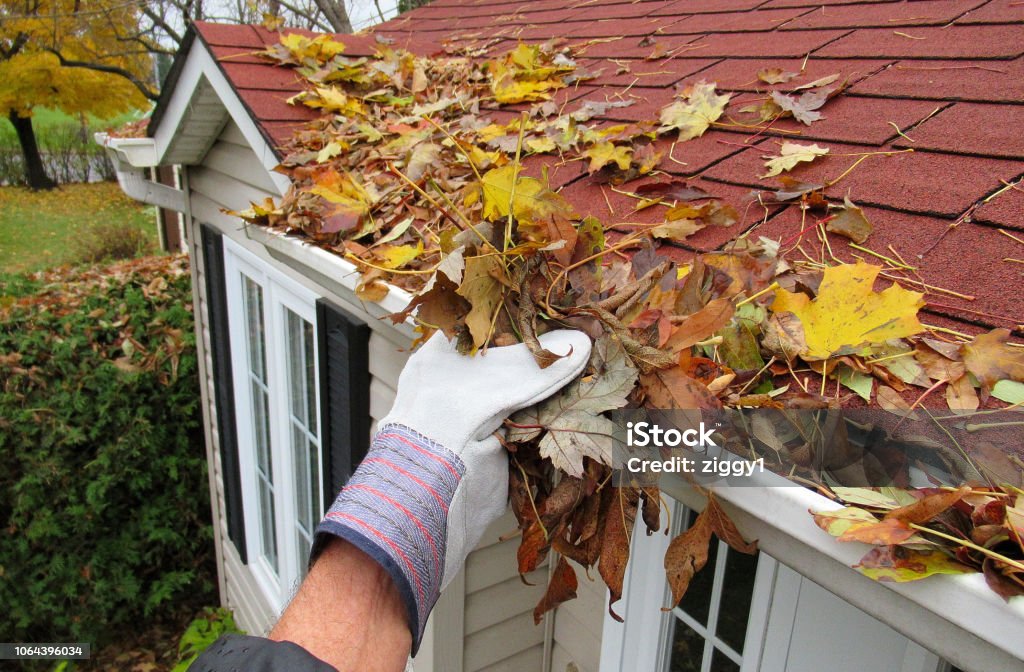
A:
(348, 613)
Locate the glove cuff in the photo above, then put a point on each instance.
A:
(395, 509)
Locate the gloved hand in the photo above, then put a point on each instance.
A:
(436, 476)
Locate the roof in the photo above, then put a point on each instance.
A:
(943, 77)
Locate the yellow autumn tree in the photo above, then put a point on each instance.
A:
(67, 55)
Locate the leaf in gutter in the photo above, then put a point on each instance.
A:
(850, 222)
(879, 532)
(838, 522)
(399, 255)
(791, 154)
(893, 563)
(396, 231)
(997, 579)
(929, 506)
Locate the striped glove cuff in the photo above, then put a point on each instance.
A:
(395, 509)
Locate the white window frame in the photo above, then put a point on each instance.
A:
(279, 293)
(642, 641)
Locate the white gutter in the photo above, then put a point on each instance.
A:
(329, 270)
(956, 616)
(132, 157)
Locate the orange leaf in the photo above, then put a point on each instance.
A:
(615, 543)
(687, 555)
(882, 533)
(928, 507)
(561, 588)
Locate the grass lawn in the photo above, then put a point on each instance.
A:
(41, 229)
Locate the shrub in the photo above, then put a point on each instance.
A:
(203, 631)
(103, 494)
(111, 241)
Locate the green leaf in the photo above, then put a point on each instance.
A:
(1009, 391)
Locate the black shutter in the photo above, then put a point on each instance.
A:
(220, 346)
(344, 393)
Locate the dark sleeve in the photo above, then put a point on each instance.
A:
(241, 653)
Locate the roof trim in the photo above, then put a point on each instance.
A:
(196, 70)
(171, 80)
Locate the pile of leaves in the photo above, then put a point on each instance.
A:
(929, 531)
(408, 176)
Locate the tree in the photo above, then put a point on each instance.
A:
(42, 43)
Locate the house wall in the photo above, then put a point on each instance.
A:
(484, 622)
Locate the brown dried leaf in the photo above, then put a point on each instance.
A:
(561, 588)
(928, 507)
(686, 555)
(618, 524)
(701, 325)
(990, 359)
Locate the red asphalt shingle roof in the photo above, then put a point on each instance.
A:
(944, 77)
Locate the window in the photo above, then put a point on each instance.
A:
(274, 352)
(718, 626)
(710, 622)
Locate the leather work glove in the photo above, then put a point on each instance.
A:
(435, 476)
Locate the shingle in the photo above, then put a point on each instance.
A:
(995, 11)
(1006, 209)
(884, 15)
(271, 106)
(753, 21)
(948, 80)
(923, 182)
(643, 73)
(739, 45)
(263, 76)
(954, 42)
(856, 120)
(741, 74)
(973, 128)
(680, 7)
(954, 259)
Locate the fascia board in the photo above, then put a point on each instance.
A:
(200, 65)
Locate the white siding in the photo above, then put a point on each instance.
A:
(489, 608)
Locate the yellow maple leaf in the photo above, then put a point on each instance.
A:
(530, 199)
(604, 153)
(790, 154)
(693, 116)
(397, 256)
(848, 313)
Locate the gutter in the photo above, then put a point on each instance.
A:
(957, 617)
(132, 159)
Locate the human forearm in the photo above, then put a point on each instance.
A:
(348, 613)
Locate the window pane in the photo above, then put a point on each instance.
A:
(296, 365)
(300, 455)
(308, 351)
(268, 537)
(737, 593)
(687, 649)
(315, 483)
(721, 663)
(261, 431)
(252, 298)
